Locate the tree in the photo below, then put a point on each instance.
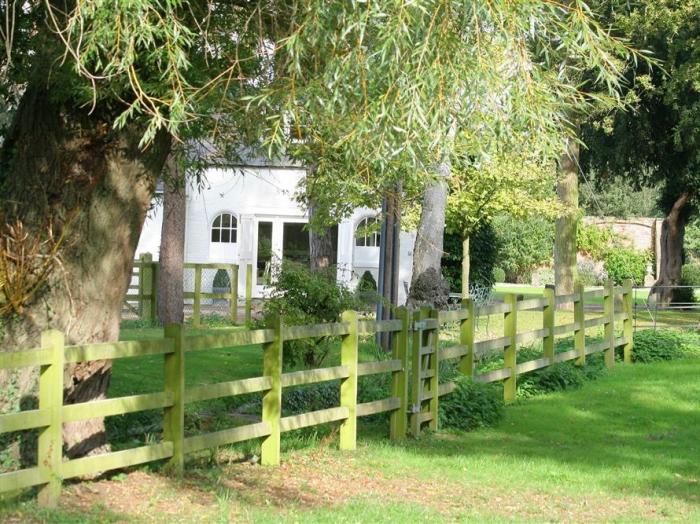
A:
(657, 144)
(88, 141)
(172, 244)
(565, 273)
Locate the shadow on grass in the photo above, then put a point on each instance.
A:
(634, 430)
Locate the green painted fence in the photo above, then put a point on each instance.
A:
(141, 298)
(414, 365)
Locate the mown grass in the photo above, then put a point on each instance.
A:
(622, 448)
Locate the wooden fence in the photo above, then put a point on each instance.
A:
(142, 296)
(414, 365)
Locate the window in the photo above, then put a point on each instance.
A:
(225, 229)
(367, 232)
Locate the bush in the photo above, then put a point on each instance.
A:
(655, 346)
(590, 275)
(543, 277)
(523, 245)
(690, 276)
(482, 257)
(622, 263)
(471, 405)
(221, 279)
(595, 241)
(499, 275)
(302, 296)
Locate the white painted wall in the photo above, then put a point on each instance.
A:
(260, 193)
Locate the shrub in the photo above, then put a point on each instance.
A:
(595, 241)
(690, 276)
(471, 405)
(543, 277)
(655, 346)
(366, 290)
(622, 263)
(523, 244)
(302, 296)
(589, 274)
(221, 279)
(482, 257)
(499, 275)
(558, 377)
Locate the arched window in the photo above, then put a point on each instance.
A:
(224, 229)
(367, 232)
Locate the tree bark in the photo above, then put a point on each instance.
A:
(671, 264)
(64, 162)
(320, 244)
(172, 246)
(465, 267)
(428, 249)
(565, 273)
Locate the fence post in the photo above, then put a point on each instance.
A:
(197, 305)
(146, 288)
(249, 292)
(580, 320)
(434, 369)
(399, 379)
(50, 445)
(233, 303)
(155, 276)
(628, 307)
(510, 330)
(609, 325)
(466, 338)
(416, 368)
(174, 380)
(272, 400)
(348, 386)
(548, 323)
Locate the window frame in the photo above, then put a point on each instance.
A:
(368, 240)
(231, 230)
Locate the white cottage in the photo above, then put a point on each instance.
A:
(248, 215)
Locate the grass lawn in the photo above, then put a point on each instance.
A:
(622, 448)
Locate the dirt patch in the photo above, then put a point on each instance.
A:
(326, 479)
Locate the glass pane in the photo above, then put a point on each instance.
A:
(225, 235)
(215, 236)
(295, 243)
(234, 236)
(226, 220)
(264, 263)
(234, 222)
(217, 222)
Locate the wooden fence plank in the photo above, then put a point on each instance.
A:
(174, 383)
(24, 359)
(510, 330)
(30, 419)
(565, 329)
(116, 406)
(532, 365)
(580, 321)
(627, 327)
(231, 339)
(398, 424)
(493, 376)
(446, 388)
(313, 418)
(567, 355)
(548, 322)
(456, 351)
(316, 330)
(21, 479)
(117, 460)
(492, 309)
(484, 346)
(609, 326)
(565, 299)
(112, 350)
(226, 436)
(382, 366)
(597, 347)
(369, 327)
(227, 389)
(312, 376)
(528, 337)
(378, 406)
(532, 303)
(455, 315)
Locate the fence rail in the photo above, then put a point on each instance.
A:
(142, 295)
(413, 401)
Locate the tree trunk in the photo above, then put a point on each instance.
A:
(565, 237)
(389, 274)
(64, 162)
(172, 246)
(320, 244)
(672, 236)
(428, 249)
(465, 267)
